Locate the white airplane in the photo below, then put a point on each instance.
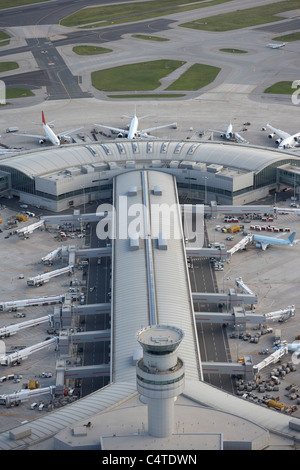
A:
(276, 46)
(263, 242)
(285, 140)
(50, 136)
(230, 134)
(133, 131)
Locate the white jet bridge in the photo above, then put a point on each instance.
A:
(18, 356)
(23, 395)
(241, 244)
(13, 329)
(41, 279)
(50, 257)
(15, 304)
(272, 359)
(30, 228)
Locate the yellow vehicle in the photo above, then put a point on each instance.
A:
(277, 405)
(22, 217)
(234, 228)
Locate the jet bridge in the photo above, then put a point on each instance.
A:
(23, 395)
(240, 245)
(272, 359)
(41, 279)
(13, 329)
(18, 356)
(30, 228)
(230, 299)
(15, 304)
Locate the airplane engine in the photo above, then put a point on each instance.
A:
(120, 135)
(222, 135)
(230, 134)
(258, 245)
(64, 139)
(271, 136)
(297, 139)
(278, 141)
(42, 141)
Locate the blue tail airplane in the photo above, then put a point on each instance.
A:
(263, 241)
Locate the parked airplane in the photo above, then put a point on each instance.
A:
(285, 140)
(50, 136)
(230, 134)
(263, 241)
(133, 131)
(276, 46)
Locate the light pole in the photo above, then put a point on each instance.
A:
(205, 189)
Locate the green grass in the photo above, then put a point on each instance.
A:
(243, 18)
(18, 3)
(288, 37)
(6, 66)
(197, 76)
(133, 11)
(149, 38)
(4, 35)
(18, 93)
(4, 43)
(90, 50)
(143, 76)
(280, 88)
(234, 51)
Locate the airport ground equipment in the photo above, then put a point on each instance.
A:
(18, 356)
(240, 283)
(282, 314)
(241, 244)
(23, 395)
(50, 257)
(15, 304)
(30, 228)
(272, 359)
(41, 279)
(13, 329)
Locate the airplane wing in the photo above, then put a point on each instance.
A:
(34, 136)
(215, 130)
(154, 128)
(116, 129)
(282, 134)
(71, 130)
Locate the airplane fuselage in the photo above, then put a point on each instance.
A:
(133, 128)
(50, 135)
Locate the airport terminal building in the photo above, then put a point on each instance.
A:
(74, 174)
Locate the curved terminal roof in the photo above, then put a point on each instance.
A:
(50, 160)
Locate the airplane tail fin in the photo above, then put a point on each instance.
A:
(291, 237)
(43, 118)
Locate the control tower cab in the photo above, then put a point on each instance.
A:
(160, 375)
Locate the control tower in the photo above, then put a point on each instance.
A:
(160, 375)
